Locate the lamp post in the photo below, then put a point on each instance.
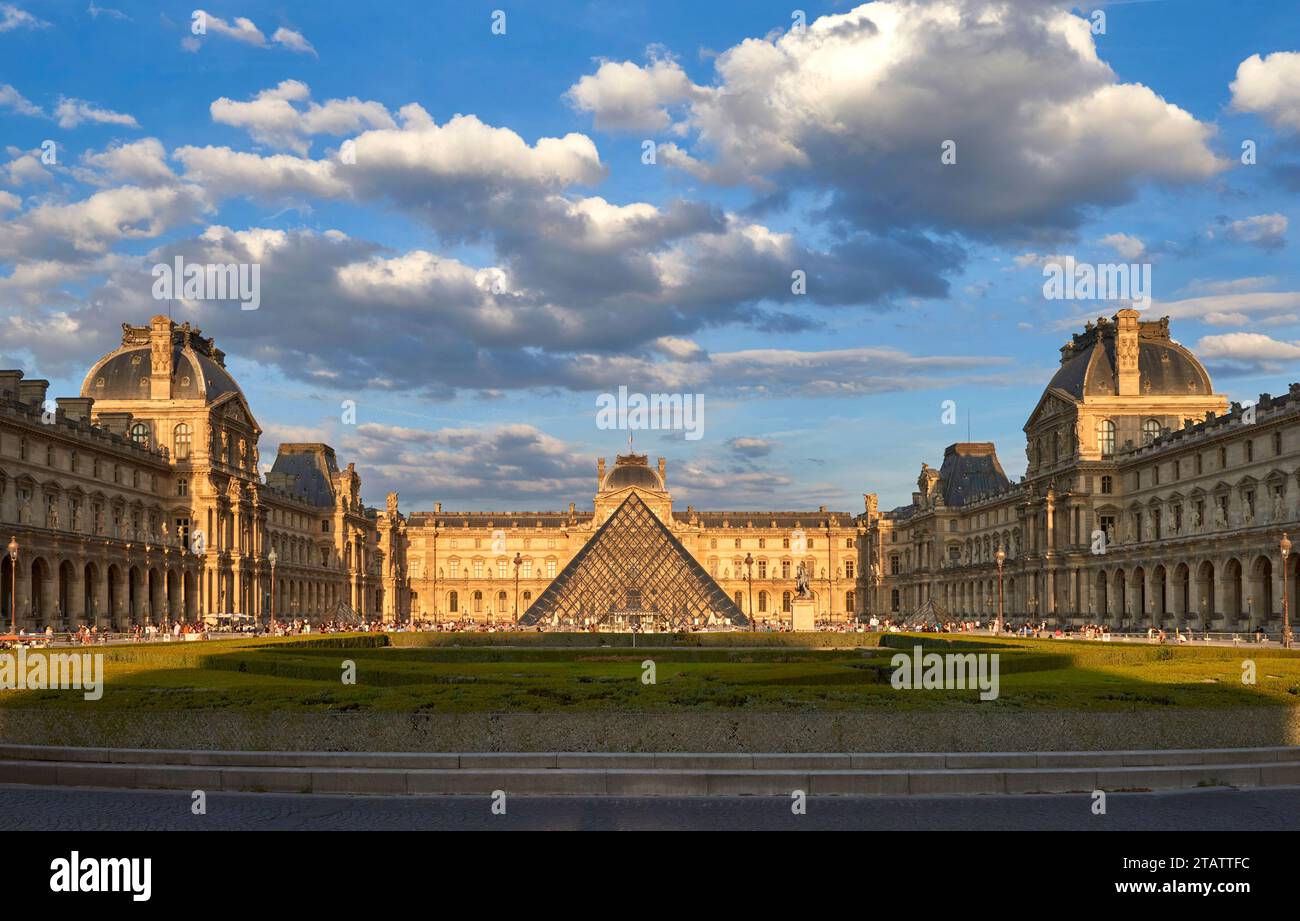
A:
(1285, 547)
(518, 559)
(749, 575)
(13, 584)
(271, 558)
(1001, 557)
(435, 575)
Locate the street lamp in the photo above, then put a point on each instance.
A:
(1285, 547)
(1001, 557)
(436, 532)
(13, 584)
(271, 558)
(518, 559)
(749, 569)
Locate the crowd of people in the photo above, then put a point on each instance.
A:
(179, 631)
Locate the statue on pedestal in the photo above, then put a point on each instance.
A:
(801, 582)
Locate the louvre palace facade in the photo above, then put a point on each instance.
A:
(1148, 501)
(141, 501)
(462, 565)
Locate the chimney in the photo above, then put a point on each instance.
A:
(1126, 352)
(600, 473)
(117, 423)
(33, 393)
(437, 507)
(76, 409)
(9, 384)
(160, 358)
(663, 478)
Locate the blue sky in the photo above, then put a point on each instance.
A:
(521, 154)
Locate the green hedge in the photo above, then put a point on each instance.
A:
(643, 640)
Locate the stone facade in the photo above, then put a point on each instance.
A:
(1147, 501)
(462, 564)
(140, 501)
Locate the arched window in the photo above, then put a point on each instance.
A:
(850, 604)
(181, 442)
(785, 602)
(453, 602)
(1150, 431)
(478, 602)
(762, 602)
(140, 434)
(1106, 437)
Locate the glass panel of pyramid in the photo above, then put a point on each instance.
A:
(634, 571)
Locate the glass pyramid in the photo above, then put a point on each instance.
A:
(633, 572)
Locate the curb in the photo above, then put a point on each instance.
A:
(648, 774)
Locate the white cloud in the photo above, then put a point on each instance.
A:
(244, 30)
(272, 119)
(1127, 246)
(72, 112)
(25, 167)
(1246, 347)
(142, 162)
(294, 41)
(13, 17)
(95, 224)
(1270, 87)
(14, 101)
(1267, 231)
(97, 11)
(1257, 306)
(860, 103)
(626, 97)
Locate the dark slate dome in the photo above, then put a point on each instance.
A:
(198, 369)
(632, 470)
(1165, 368)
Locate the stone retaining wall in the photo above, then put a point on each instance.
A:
(734, 731)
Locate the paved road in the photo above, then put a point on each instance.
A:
(81, 809)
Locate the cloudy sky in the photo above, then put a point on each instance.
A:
(825, 223)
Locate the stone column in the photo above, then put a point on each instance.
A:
(76, 612)
(101, 615)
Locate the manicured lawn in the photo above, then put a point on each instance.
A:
(437, 676)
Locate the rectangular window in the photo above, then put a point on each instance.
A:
(478, 569)
(550, 569)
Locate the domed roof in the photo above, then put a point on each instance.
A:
(1165, 368)
(198, 370)
(632, 470)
